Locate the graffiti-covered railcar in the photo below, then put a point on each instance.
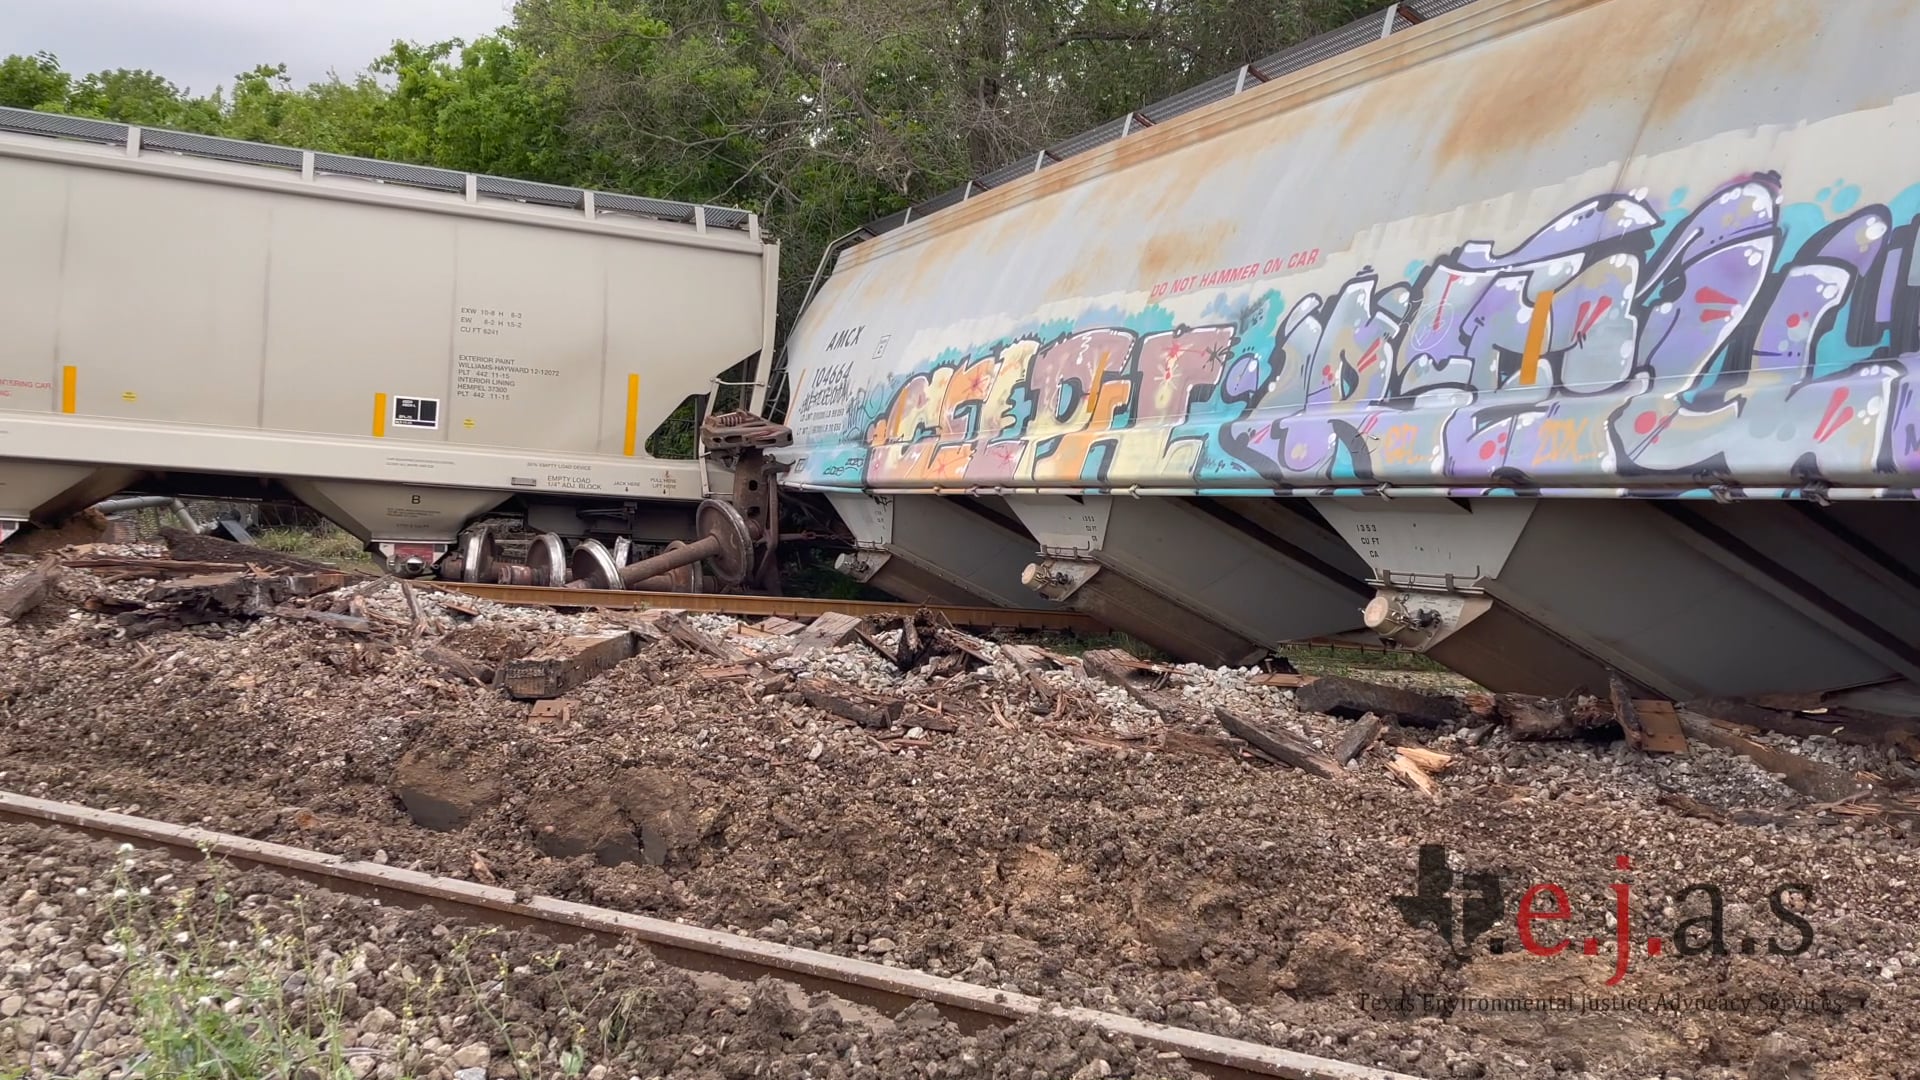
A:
(1582, 330)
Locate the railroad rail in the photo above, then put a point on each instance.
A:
(806, 607)
(784, 606)
(681, 945)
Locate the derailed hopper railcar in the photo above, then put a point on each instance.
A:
(401, 348)
(1554, 338)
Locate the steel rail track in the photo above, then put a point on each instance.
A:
(784, 606)
(687, 947)
(981, 616)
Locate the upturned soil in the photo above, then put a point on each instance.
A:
(1060, 840)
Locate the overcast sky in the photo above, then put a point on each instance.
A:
(200, 44)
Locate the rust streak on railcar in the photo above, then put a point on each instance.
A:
(1730, 38)
(1168, 254)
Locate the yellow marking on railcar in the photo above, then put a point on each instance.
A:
(633, 413)
(1536, 338)
(69, 388)
(379, 416)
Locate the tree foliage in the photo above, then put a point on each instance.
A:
(818, 114)
(33, 82)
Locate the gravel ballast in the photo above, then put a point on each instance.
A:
(1067, 842)
(111, 956)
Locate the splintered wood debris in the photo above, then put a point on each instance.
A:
(560, 666)
(909, 680)
(30, 591)
(1012, 813)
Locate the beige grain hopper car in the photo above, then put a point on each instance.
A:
(403, 349)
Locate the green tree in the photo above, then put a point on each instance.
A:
(33, 82)
(336, 116)
(144, 98)
(260, 103)
(824, 114)
(473, 107)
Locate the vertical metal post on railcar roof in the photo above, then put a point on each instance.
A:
(700, 219)
(1039, 161)
(1126, 126)
(1386, 26)
(473, 188)
(307, 169)
(966, 192)
(765, 367)
(133, 141)
(586, 203)
(1240, 83)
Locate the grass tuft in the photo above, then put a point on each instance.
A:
(207, 993)
(326, 543)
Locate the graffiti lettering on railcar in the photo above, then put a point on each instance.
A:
(1686, 346)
